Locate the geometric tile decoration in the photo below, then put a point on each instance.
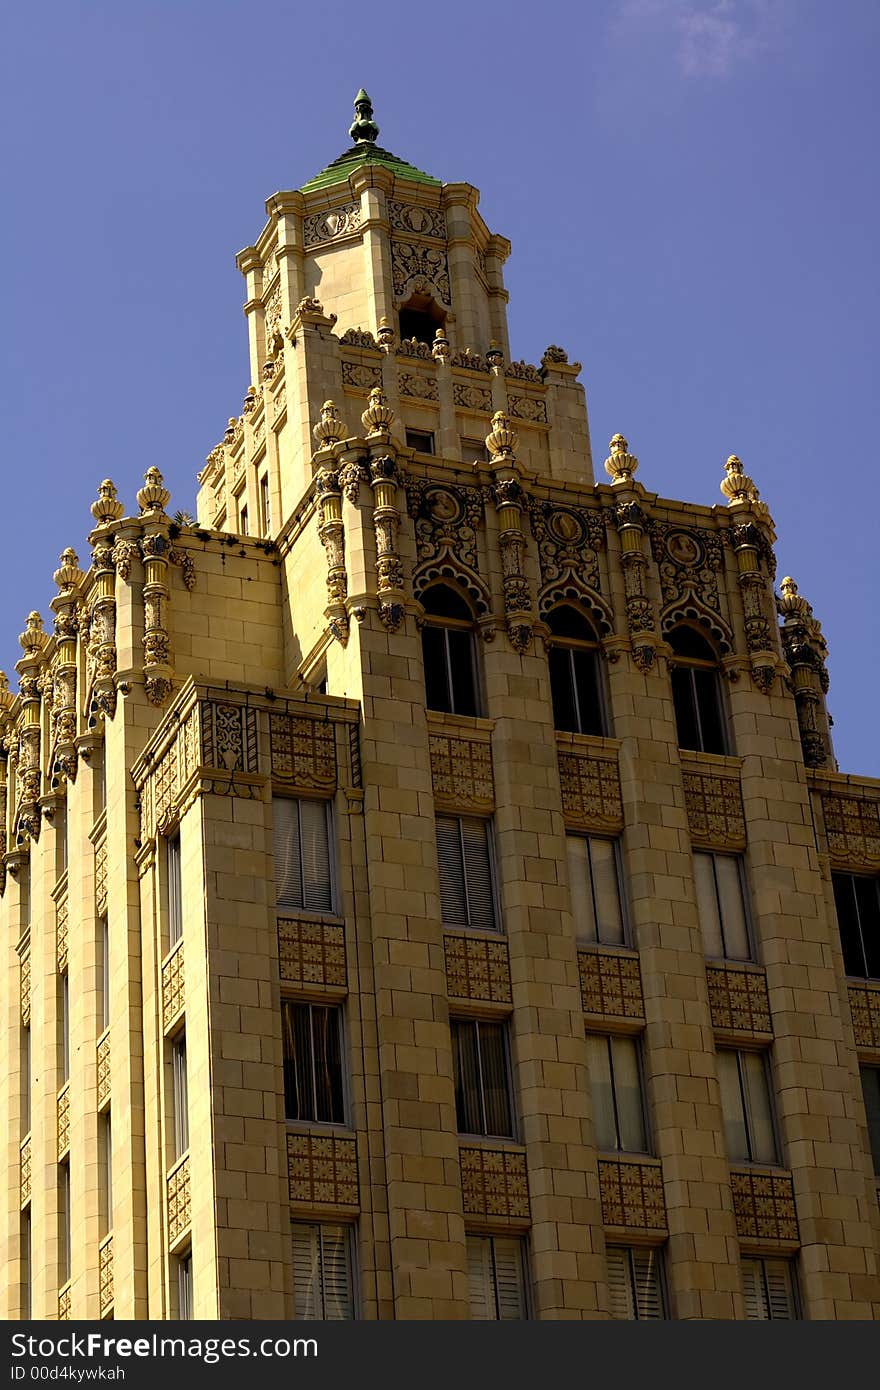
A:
(63, 1121)
(590, 790)
(852, 827)
(311, 953)
(322, 1168)
(494, 1183)
(103, 1068)
(26, 989)
(101, 877)
(738, 999)
(477, 969)
(864, 1005)
(179, 1204)
(25, 1171)
(714, 810)
(632, 1194)
(303, 750)
(64, 1305)
(461, 772)
(105, 1273)
(611, 984)
(763, 1204)
(61, 915)
(173, 987)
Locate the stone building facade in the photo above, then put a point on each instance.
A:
(428, 890)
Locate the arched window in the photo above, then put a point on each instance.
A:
(449, 653)
(696, 692)
(575, 683)
(420, 318)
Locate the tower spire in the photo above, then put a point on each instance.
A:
(364, 129)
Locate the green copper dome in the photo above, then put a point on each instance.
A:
(364, 132)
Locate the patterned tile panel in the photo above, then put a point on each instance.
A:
(322, 1168)
(103, 1051)
(738, 1000)
(173, 987)
(611, 985)
(494, 1183)
(179, 1201)
(62, 914)
(864, 1004)
(25, 989)
(590, 790)
(311, 953)
(64, 1304)
(63, 1121)
(25, 1171)
(101, 877)
(714, 810)
(477, 969)
(763, 1205)
(632, 1194)
(105, 1273)
(852, 826)
(229, 736)
(303, 751)
(461, 771)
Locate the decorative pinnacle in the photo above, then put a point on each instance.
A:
(620, 464)
(440, 348)
(792, 604)
(364, 130)
(385, 334)
(33, 636)
(378, 415)
(329, 428)
(153, 496)
(107, 507)
(68, 571)
(737, 486)
(502, 439)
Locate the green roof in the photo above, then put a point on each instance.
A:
(364, 132)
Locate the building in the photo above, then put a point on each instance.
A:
(428, 889)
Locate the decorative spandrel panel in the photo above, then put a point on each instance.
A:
(101, 877)
(852, 828)
(179, 1201)
(632, 1194)
(738, 999)
(477, 969)
(864, 1005)
(764, 1208)
(25, 1171)
(25, 989)
(303, 752)
(311, 953)
(461, 772)
(590, 783)
(611, 985)
(173, 987)
(169, 776)
(322, 1169)
(494, 1183)
(713, 801)
(105, 1274)
(103, 1067)
(62, 914)
(63, 1110)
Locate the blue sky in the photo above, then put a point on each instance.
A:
(690, 187)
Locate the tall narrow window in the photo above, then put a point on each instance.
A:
(174, 888)
(616, 1087)
(184, 1287)
(449, 653)
(769, 1290)
(63, 1223)
(635, 1283)
(64, 1025)
(99, 764)
(721, 905)
(105, 1175)
(180, 1096)
(746, 1107)
(24, 893)
(266, 505)
(575, 684)
(322, 1272)
(313, 1080)
(60, 827)
(26, 1266)
(104, 938)
(857, 899)
(871, 1092)
(696, 692)
(303, 877)
(482, 1079)
(25, 1081)
(464, 856)
(496, 1278)
(244, 524)
(594, 882)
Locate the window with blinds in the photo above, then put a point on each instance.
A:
(303, 859)
(467, 881)
(871, 1092)
(635, 1283)
(616, 1089)
(746, 1107)
(173, 888)
(721, 904)
(322, 1272)
(180, 1094)
(482, 1078)
(594, 883)
(857, 899)
(313, 1079)
(769, 1290)
(496, 1278)
(184, 1287)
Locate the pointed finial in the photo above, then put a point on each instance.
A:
(330, 427)
(385, 334)
(501, 441)
(620, 464)
(737, 486)
(33, 636)
(107, 507)
(364, 130)
(792, 604)
(153, 496)
(68, 573)
(378, 415)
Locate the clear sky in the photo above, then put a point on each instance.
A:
(690, 187)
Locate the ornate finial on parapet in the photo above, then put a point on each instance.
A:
(502, 439)
(620, 464)
(440, 346)
(33, 637)
(153, 496)
(4, 683)
(68, 573)
(107, 507)
(494, 355)
(737, 486)
(554, 356)
(792, 604)
(363, 130)
(330, 427)
(378, 416)
(385, 333)
(250, 400)
(229, 432)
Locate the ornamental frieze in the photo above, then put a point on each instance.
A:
(303, 751)
(688, 559)
(461, 772)
(714, 809)
(423, 388)
(321, 227)
(632, 1194)
(852, 828)
(494, 1183)
(568, 540)
(611, 985)
(427, 222)
(477, 969)
(476, 398)
(738, 999)
(528, 408)
(361, 376)
(416, 268)
(590, 788)
(229, 736)
(446, 518)
(322, 1168)
(763, 1206)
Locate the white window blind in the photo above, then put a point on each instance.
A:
(616, 1089)
(768, 1289)
(595, 890)
(303, 878)
(496, 1278)
(322, 1283)
(746, 1107)
(721, 905)
(467, 890)
(635, 1288)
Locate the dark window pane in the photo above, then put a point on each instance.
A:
(568, 622)
(329, 1106)
(562, 692)
(586, 679)
(848, 923)
(443, 602)
(468, 1108)
(299, 1094)
(461, 664)
(871, 1092)
(868, 901)
(685, 708)
(709, 702)
(686, 641)
(434, 657)
(494, 1067)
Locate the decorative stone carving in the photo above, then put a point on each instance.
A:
(477, 969)
(332, 534)
(378, 417)
(63, 1111)
(494, 1183)
(591, 798)
(714, 809)
(553, 356)
(620, 465)
(568, 541)
(156, 638)
(763, 1205)
(385, 334)
(320, 227)
(471, 361)
(103, 1069)
(229, 736)
(440, 347)
(105, 1274)
(303, 752)
(447, 520)
(475, 398)
(611, 985)
(322, 1169)
(62, 917)
(64, 1304)
(25, 989)
(412, 347)
(806, 652)
(511, 503)
(738, 999)
(523, 371)
(529, 408)
(29, 777)
(123, 554)
(330, 428)
(461, 772)
(688, 560)
(630, 521)
(186, 564)
(311, 953)
(173, 987)
(63, 759)
(153, 497)
(864, 1005)
(423, 388)
(358, 337)
(852, 828)
(24, 1172)
(419, 269)
(385, 480)
(423, 222)
(107, 508)
(362, 376)
(632, 1194)
(179, 1202)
